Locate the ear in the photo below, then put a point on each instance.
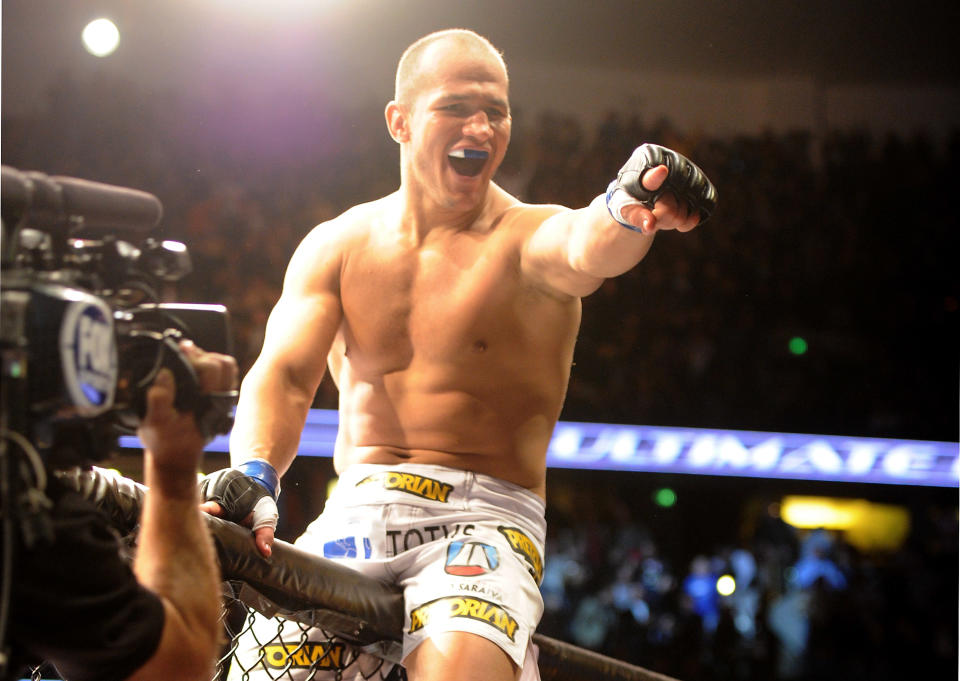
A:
(397, 122)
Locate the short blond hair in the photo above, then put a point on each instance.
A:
(411, 67)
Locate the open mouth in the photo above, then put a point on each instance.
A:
(468, 162)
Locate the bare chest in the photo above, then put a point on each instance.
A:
(433, 302)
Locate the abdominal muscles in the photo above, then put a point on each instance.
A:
(493, 415)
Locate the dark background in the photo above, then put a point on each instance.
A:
(254, 121)
(212, 105)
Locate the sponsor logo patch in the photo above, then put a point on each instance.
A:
(401, 540)
(346, 547)
(476, 588)
(463, 606)
(417, 485)
(523, 545)
(470, 558)
(305, 656)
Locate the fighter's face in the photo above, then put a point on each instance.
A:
(459, 128)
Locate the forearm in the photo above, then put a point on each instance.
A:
(270, 417)
(573, 251)
(176, 560)
(600, 247)
(657, 189)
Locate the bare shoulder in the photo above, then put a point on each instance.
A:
(536, 213)
(320, 253)
(545, 235)
(353, 224)
(522, 218)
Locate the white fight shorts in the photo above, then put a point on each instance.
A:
(466, 548)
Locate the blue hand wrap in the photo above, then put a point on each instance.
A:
(264, 474)
(615, 210)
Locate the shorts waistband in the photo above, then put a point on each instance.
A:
(429, 484)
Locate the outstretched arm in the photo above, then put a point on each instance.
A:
(573, 251)
(175, 557)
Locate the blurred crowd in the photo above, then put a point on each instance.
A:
(844, 239)
(757, 600)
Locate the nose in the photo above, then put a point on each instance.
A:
(478, 125)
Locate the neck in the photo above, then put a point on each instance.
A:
(423, 213)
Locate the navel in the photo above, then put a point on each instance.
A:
(479, 345)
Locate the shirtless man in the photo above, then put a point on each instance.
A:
(447, 313)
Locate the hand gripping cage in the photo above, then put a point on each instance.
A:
(361, 618)
(300, 590)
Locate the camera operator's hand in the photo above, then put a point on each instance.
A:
(175, 558)
(172, 437)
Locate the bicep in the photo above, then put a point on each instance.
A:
(549, 253)
(301, 327)
(279, 388)
(299, 334)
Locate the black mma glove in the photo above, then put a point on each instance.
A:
(251, 488)
(685, 181)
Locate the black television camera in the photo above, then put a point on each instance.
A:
(82, 331)
(83, 334)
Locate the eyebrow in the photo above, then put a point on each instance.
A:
(496, 101)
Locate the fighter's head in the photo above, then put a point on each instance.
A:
(418, 62)
(451, 115)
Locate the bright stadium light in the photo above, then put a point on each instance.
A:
(100, 37)
(865, 524)
(726, 585)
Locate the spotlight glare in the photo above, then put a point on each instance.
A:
(100, 37)
(726, 585)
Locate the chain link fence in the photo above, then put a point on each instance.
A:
(300, 617)
(266, 642)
